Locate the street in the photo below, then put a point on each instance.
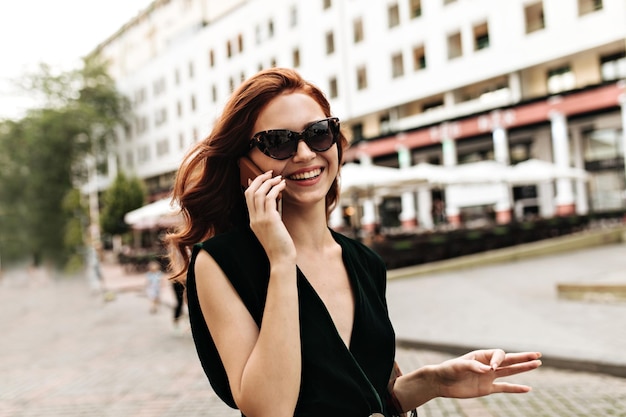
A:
(67, 351)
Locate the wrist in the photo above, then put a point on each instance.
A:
(416, 388)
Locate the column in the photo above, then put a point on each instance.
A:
(425, 207)
(582, 198)
(448, 147)
(622, 102)
(408, 217)
(336, 220)
(501, 153)
(368, 220)
(565, 204)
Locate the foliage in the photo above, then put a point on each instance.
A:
(42, 160)
(124, 195)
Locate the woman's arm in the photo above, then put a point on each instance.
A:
(263, 366)
(471, 375)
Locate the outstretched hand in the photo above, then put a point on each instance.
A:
(474, 374)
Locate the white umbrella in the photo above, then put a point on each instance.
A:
(481, 172)
(161, 213)
(534, 171)
(425, 172)
(366, 179)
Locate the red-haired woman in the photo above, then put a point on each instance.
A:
(289, 318)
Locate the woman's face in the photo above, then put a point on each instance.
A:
(308, 174)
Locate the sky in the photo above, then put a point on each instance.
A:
(57, 32)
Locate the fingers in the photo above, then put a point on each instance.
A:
(263, 192)
(505, 387)
(513, 358)
(497, 358)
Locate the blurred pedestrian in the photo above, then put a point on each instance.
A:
(154, 277)
(288, 316)
(179, 294)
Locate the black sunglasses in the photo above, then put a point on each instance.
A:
(283, 143)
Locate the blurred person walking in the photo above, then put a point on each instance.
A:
(154, 278)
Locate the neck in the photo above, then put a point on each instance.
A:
(307, 226)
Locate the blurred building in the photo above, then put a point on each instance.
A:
(440, 81)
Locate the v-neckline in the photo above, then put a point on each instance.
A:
(355, 294)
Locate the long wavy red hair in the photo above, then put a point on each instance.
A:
(207, 185)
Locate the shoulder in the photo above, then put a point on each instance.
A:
(359, 250)
(363, 260)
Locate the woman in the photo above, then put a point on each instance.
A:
(289, 317)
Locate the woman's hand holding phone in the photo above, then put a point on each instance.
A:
(262, 194)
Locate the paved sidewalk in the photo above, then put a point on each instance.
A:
(65, 351)
(516, 306)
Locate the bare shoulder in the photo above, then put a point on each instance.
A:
(231, 326)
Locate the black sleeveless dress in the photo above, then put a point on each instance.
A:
(336, 380)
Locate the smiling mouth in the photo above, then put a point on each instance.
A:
(306, 175)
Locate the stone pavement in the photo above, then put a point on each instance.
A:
(69, 351)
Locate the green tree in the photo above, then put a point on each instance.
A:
(124, 195)
(42, 158)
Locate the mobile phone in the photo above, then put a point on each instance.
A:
(248, 170)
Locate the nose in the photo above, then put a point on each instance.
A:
(303, 152)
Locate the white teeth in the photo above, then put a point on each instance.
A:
(306, 175)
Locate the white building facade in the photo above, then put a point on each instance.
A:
(441, 81)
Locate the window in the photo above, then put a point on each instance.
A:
(143, 154)
(357, 132)
(419, 58)
(361, 78)
(330, 43)
(191, 70)
(357, 27)
(130, 162)
(158, 86)
(416, 8)
(181, 141)
(240, 43)
(446, 2)
(162, 147)
(270, 28)
(193, 103)
(257, 34)
(454, 46)
(613, 67)
(433, 104)
(211, 58)
(533, 15)
(179, 109)
(332, 88)
(177, 77)
(393, 15)
(561, 79)
(481, 36)
(295, 56)
(589, 6)
(327, 4)
(385, 124)
(602, 144)
(214, 94)
(397, 65)
(293, 17)
(229, 49)
(273, 63)
(231, 84)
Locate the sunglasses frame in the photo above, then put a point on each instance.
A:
(295, 138)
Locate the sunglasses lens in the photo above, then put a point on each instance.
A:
(283, 144)
(278, 144)
(320, 136)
